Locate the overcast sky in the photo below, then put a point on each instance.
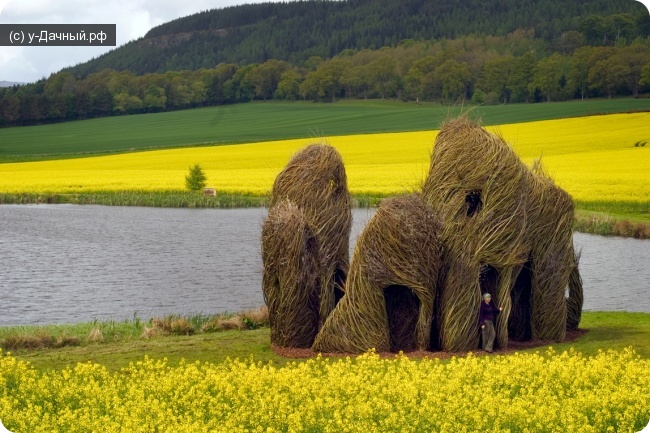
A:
(133, 18)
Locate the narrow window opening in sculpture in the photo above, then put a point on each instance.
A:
(474, 202)
(519, 319)
(339, 285)
(402, 308)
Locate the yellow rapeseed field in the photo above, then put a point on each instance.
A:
(547, 392)
(593, 158)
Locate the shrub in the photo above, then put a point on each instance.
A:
(478, 97)
(195, 179)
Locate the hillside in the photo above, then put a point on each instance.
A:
(372, 49)
(295, 31)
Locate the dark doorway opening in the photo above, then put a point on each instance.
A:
(402, 307)
(488, 279)
(519, 320)
(339, 285)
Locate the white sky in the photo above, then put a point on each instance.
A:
(133, 18)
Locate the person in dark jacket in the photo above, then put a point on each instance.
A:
(487, 315)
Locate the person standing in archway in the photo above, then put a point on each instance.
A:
(487, 316)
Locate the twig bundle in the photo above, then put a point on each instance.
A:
(305, 244)
(389, 302)
(575, 299)
(315, 180)
(469, 166)
(497, 214)
(290, 280)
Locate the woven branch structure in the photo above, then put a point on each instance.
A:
(313, 186)
(391, 288)
(507, 230)
(290, 280)
(575, 299)
(484, 222)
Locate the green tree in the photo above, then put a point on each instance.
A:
(569, 41)
(454, 79)
(125, 103)
(521, 71)
(478, 97)
(415, 80)
(495, 77)
(195, 179)
(326, 82)
(621, 26)
(579, 70)
(384, 75)
(265, 77)
(645, 76)
(413, 84)
(11, 108)
(635, 57)
(198, 93)
(357, 81)
(594, 27)
(608, 74)
(289, 86)
(548, 76)
(154, 98)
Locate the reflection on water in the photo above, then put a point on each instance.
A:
(64, 263)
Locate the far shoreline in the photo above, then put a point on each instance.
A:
(626, 220)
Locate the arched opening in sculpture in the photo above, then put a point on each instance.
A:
(402, 308)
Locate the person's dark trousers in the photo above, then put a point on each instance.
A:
(488, 335)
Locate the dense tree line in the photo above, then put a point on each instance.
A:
(296, 31)
(518, 67)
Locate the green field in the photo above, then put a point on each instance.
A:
(263, 121)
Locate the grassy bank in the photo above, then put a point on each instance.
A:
(128, 341)
(180, 199)
(252, 122)
(114, 344)
(605, 224)
(613, 218)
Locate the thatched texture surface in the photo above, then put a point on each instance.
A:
(390, 294)
(484, 222)
(290, 280)
(315, 181)
(479, 186)
(575, 299)
(550, 237)
(499, 219)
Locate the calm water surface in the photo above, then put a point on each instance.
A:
(65, 263)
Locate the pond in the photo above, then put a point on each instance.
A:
(66, 263)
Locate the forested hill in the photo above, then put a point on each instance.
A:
(295, 31)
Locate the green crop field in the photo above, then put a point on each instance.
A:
(251, 122)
